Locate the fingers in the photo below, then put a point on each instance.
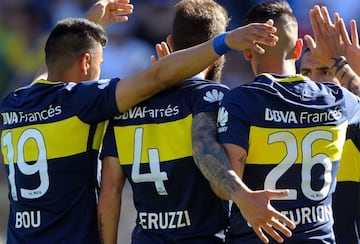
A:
(326, 16)
(272, 228)
(118, 11)
(262, 34)
(162, 50)
(153, 59)
(310, 42)
(354, 33)
(261, 235)
(269, 229)
(315, 20)
(170, 43)
(341, 28)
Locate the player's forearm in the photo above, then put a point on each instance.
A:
(182, 64)
(108, 218)
(344, 73)
(211, 158)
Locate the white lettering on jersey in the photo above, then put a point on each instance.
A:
(10, 118)
(280, 116)
(164, 220)
(307, 215)
(143, 112)
(291, 117)
(27, 219)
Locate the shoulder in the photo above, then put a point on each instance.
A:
(200, 84)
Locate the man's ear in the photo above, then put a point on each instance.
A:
(84, 63)
(247, 54)
(298, 48)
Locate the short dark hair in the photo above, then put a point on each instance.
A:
(197, 21)
(70, 39)
(270, 10)
(285, 21)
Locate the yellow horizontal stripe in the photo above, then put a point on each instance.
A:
(286, 79)
(172, 140)
(63, 138)
(262, 152)
(350, 163)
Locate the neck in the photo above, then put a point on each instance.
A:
(286, 67)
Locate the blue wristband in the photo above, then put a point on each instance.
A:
(219, 44)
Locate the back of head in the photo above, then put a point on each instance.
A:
(197, 21)
(69, 40)
(284, 20)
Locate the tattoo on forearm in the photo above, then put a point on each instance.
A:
(354, 86)
(346, 71)
(347, 77)
(340, 62)
(101, 229)
(213, 163)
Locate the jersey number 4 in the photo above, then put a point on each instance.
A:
(155, 174)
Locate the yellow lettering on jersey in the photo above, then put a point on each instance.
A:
(350, 163)
(172, 139)
(263, 152)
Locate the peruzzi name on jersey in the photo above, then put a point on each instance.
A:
(153, 143)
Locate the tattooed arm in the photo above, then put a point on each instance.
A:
(346, 76)
(210, 156)
(332, 46)
(112, 183)
(225, 175)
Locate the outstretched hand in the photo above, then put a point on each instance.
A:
(351, 45)
(251, 35)
(104, 12)
(262, 217)
(327, 42)
(163, 49)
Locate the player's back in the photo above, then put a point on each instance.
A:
(173, 200)
(293, 130)
(346, 198)
(50, 140)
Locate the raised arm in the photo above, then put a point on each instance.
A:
(103, 12)
(179, 65)
(224, 175)
(332, 46)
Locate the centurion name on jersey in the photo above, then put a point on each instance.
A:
(51, 135)
(173, 200)
(293, 130)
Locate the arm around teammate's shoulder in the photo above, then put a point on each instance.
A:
(174, 68)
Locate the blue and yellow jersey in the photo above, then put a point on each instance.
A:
(346, 198)
(293, 130)
(173, 200)
(51, 135)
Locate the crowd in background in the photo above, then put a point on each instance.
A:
(25, 24)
